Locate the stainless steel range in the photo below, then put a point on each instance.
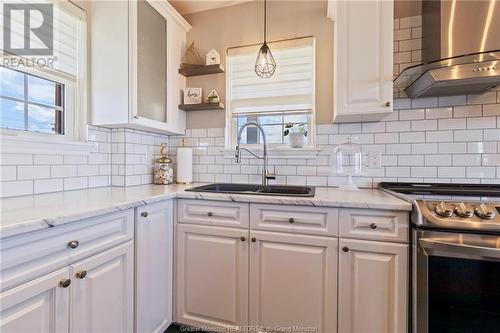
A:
(455, 274)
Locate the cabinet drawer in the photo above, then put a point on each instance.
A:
(218, 213)
(294, 219)
(374, 224)
(31, 255)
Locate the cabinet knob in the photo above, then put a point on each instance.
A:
(373, 225)
(242, 238)
(144, 214)
(64, 283)
(345, 249)
(81, 274)
(73, 244)
(291, 220)
(253, 239)
(388, 104)
(210, 214)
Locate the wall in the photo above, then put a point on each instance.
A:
(446, 139)
(242, 25)
(123, 158)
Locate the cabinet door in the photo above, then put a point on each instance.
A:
(212, 276)
(153, 267)
(40, 306)
(102, 293)
(363, 62)
(293, 281)
(372, 286)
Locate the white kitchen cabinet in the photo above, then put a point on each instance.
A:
(102, 291)
(293, 281)
(372, 286)
(363, 50)
(153, 267)
(135, 51)
(41, 305)
(211, 276)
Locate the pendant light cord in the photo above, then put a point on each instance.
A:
(265, 19)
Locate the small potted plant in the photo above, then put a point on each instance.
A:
(297, 134)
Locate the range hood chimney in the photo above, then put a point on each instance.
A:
(460, 50)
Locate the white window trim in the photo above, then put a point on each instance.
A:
(273, 149)
(75, 139)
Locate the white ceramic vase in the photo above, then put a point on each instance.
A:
(297, 139)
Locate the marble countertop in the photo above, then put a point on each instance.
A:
(36, 212)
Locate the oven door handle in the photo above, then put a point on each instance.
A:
(450, 249)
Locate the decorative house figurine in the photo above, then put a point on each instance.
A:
(192, 95)
(163, 172)
(212, 58)
(213, 97)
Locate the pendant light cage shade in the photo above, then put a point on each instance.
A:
(265, 65)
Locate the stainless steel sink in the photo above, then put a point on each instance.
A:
(294, 191)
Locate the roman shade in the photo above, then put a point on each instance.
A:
(290, 89)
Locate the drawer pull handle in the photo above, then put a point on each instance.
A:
(73, 244)
(210, 214)
(144, 214)
(81, 274)
(373, 226)
(242, 238)
(64, 283)
(345, 249)
(291, 220)
(253, 239)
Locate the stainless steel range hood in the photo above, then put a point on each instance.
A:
(460, 50)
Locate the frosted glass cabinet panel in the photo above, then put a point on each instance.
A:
(151, 62)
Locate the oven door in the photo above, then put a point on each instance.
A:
(456, 282)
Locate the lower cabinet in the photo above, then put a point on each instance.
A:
(212, 276)
(293, 282)
(92, 295)
(102, 292)
(41, 305)
(372, 286)
(153, 267)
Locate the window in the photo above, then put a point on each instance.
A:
(287, 97)
(31, 103)
(46, 94)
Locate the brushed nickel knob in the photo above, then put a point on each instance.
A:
(373, 226)
(482, 212)
(64, 283)
(81, 274)
(253, 239)
(462, 211)
(345, 249)
(291, 220)
(242, 238)
(144, 214)
(442, 210)
(210, 214)
(73, 244)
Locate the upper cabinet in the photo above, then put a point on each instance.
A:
(363, 47)
(136, 50)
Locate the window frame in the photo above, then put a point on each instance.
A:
(231, 128)
(75, 100)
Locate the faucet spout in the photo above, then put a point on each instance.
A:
(265, 173)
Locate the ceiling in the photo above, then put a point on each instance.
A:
(193, 6)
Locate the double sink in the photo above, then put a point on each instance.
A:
(295, 191)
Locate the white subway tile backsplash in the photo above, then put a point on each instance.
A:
(15, 188)
(33, 172)
(48, 185)
(467, 111)
(8, 172)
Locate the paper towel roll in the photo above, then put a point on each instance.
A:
(184, 165)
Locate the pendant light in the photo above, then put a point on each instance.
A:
(265, 64)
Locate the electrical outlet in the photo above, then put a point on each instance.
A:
(374, 160)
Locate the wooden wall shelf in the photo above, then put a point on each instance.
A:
(202, 106)
(200, 70)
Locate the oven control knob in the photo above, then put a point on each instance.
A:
(483, 212)
(461, 210)
(442, 210)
